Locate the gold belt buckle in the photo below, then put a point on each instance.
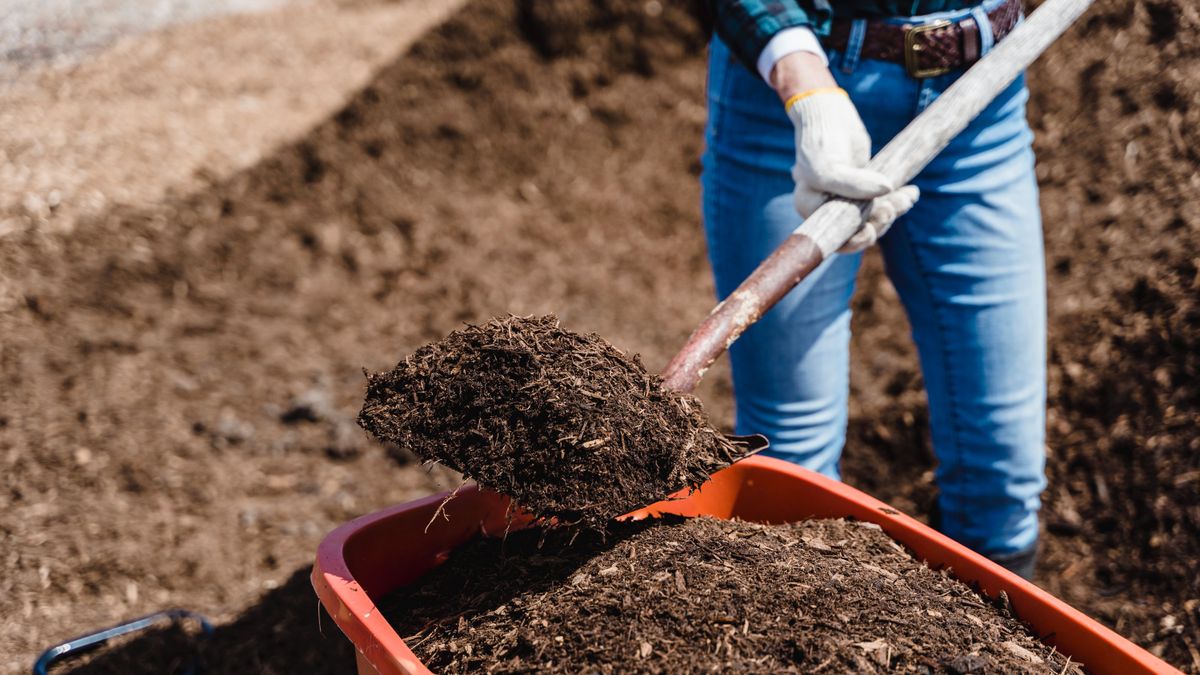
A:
(912, 51)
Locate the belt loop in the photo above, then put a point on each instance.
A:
(854, 45)
(986, 39)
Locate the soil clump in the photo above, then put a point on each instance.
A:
(676, 595)
(566, 424)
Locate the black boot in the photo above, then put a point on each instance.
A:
(1021, 563)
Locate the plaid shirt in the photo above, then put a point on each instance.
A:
(746, 26)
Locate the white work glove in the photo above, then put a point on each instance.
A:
(832, 151)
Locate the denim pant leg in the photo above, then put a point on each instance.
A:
(791, 369)
(967, 263)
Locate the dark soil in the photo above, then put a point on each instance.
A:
(566, 424)
(1119, 174)
(1116, 111)
(692, 595)
(178, 384)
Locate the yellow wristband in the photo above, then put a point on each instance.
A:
(813, 92)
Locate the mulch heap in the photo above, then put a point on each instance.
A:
(686, 595)
(566, 424)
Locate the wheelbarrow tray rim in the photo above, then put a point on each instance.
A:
(369, 557)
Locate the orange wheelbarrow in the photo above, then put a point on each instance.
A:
(368, 558)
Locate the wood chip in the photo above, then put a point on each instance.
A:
(817, 544)
(1020, 652)
(880, 571)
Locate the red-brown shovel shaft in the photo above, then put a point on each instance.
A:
(795, 258)
(901, 160)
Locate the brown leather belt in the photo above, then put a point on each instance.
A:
(928, 50)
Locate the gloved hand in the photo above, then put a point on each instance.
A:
(832, 151)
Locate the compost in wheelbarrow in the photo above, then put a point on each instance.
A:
(698, 594)
(365, 560)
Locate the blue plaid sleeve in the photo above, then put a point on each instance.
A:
(746, 26)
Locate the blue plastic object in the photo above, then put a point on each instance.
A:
(89, 641)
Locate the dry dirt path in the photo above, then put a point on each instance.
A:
(154, 115)
(164, 112)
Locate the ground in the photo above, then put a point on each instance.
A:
(206, 233)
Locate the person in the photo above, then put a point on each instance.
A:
(800, 94)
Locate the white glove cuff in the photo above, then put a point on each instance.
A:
(807, 110)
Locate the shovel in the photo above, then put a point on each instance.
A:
(827, 229)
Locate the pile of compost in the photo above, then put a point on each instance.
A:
(566, 424)
(676, 595)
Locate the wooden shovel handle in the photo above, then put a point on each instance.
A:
(901, 160)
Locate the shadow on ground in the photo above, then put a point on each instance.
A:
(286, 632)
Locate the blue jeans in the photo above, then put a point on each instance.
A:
(967, 263)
